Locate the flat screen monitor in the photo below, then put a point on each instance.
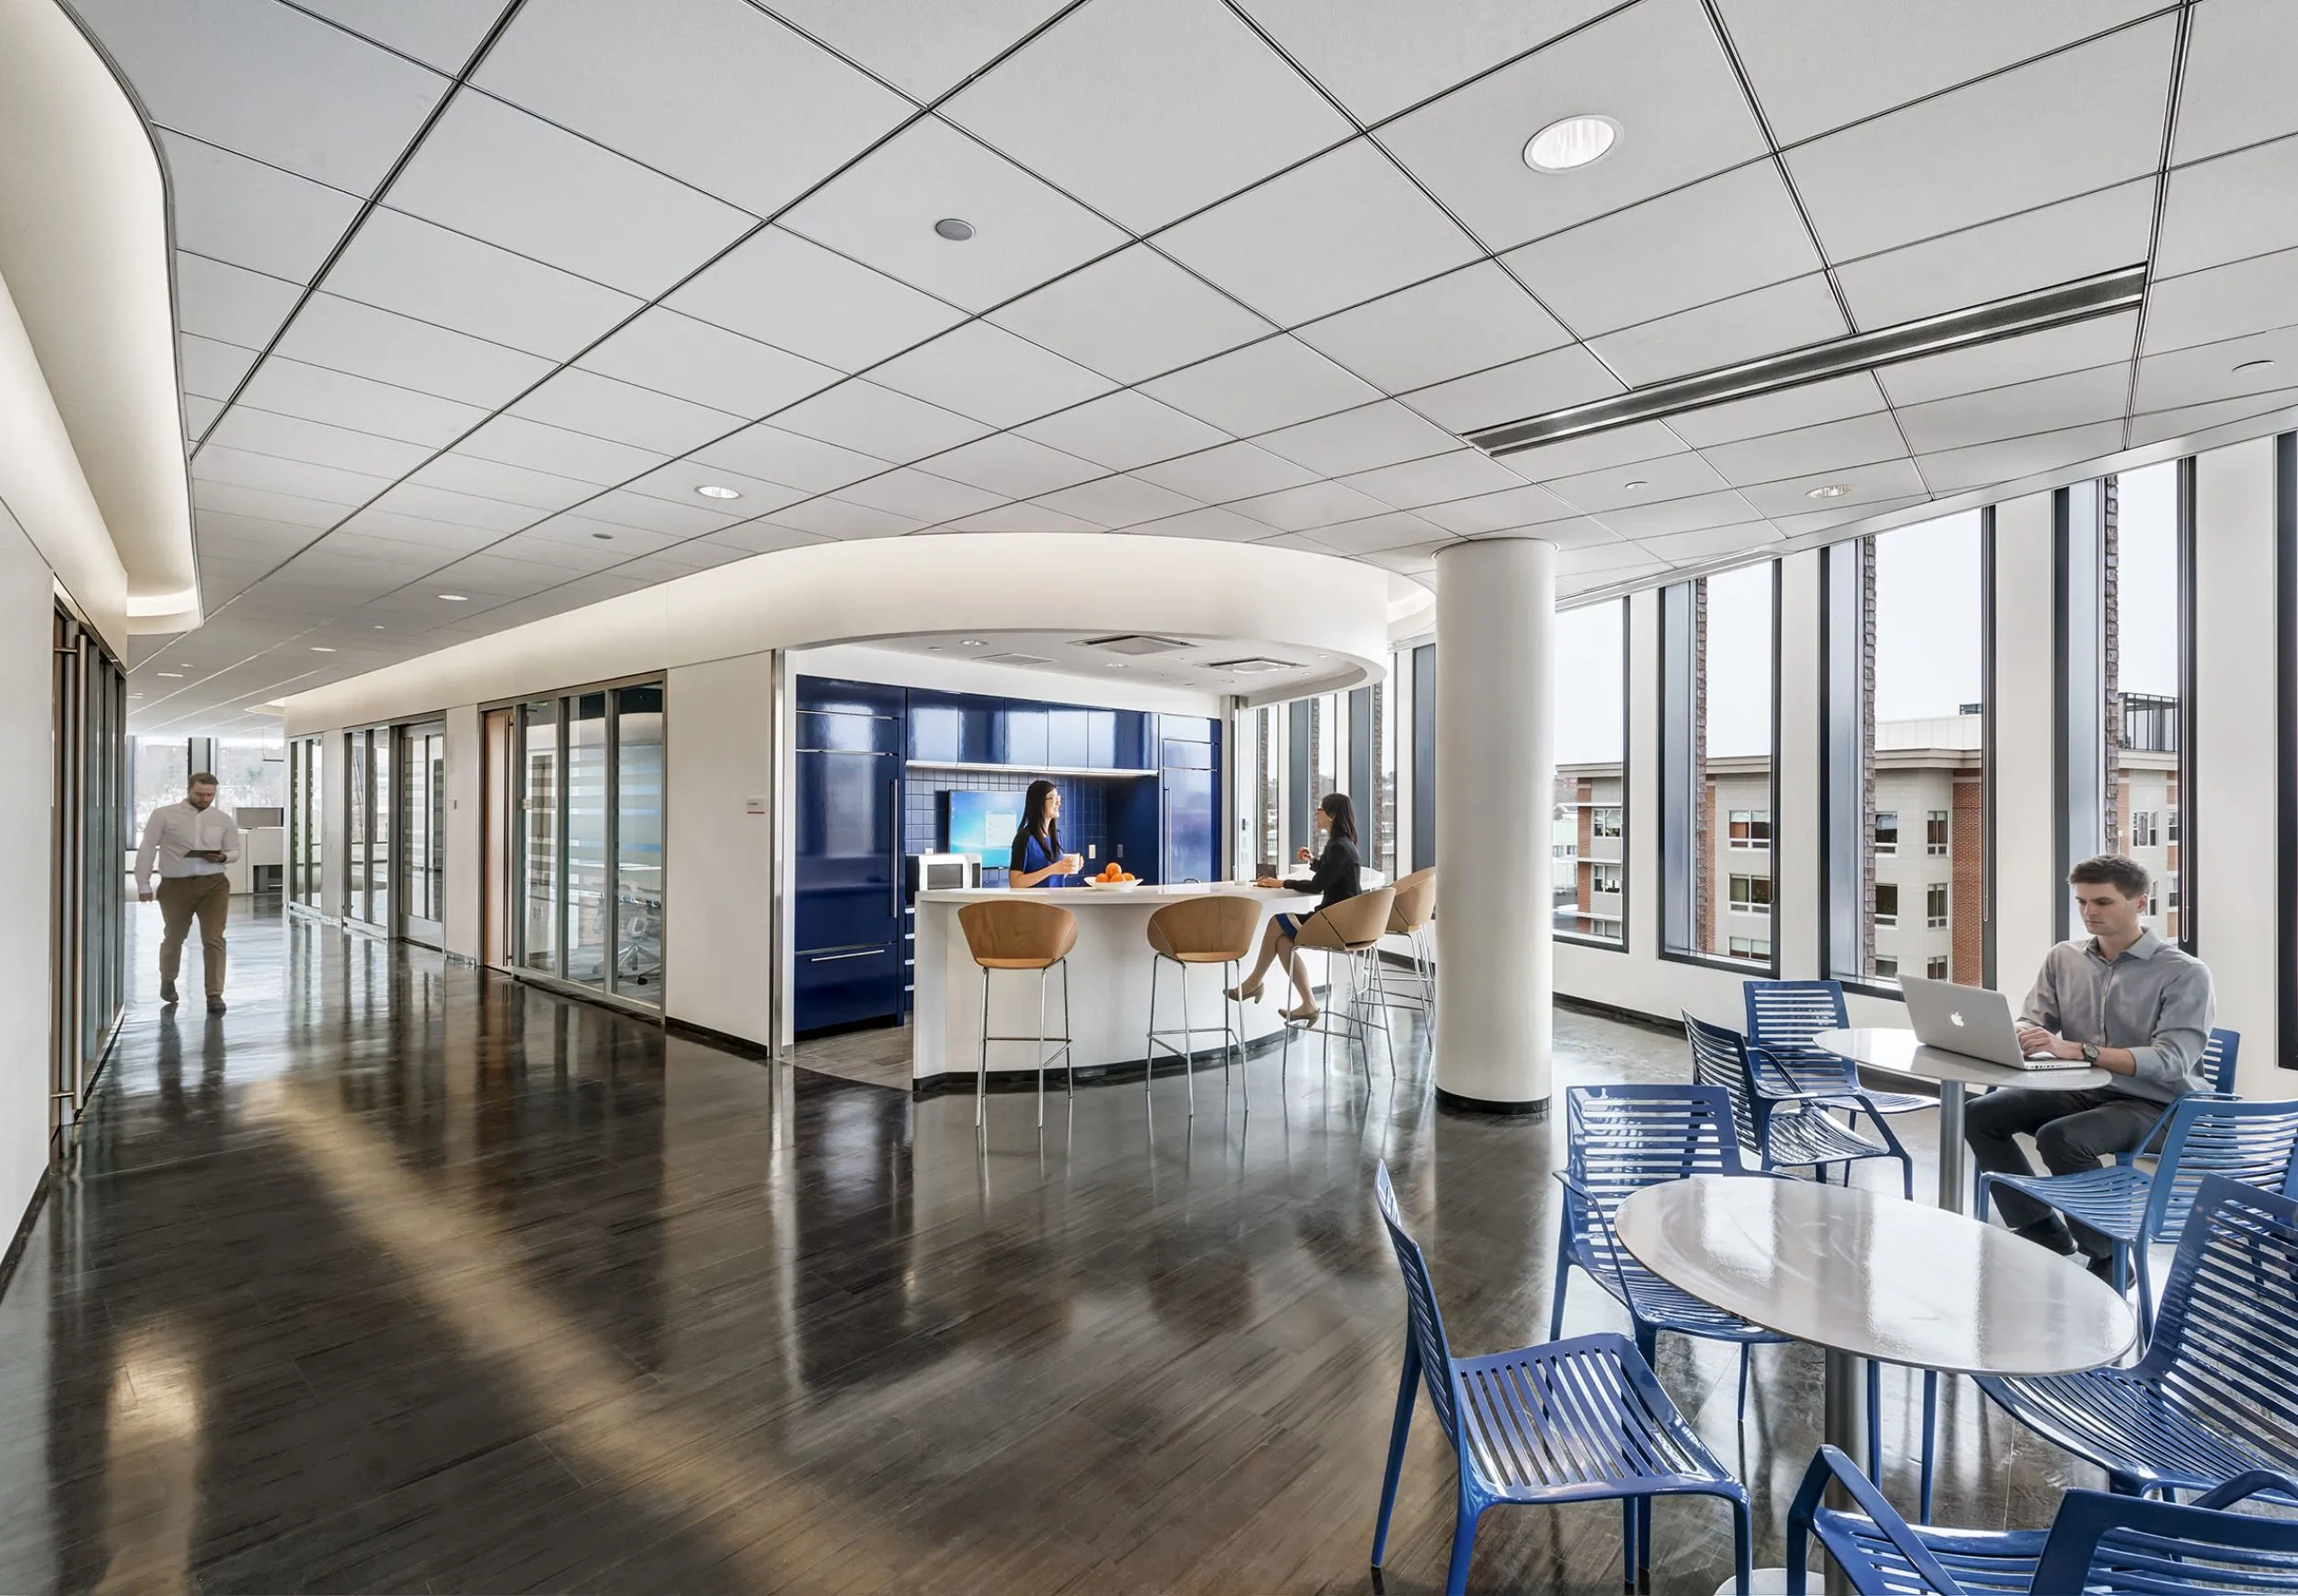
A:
(983, 824)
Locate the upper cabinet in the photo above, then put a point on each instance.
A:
(967, 729)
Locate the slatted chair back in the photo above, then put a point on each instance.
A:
(1719, 1058)
(2253, 1142)
(2218, 1058)
(1620, 1139)
(2226, 1340)
(2103, 1542)
(1783, 1016)
(1426, 1325)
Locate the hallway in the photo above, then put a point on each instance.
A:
(403, 1277)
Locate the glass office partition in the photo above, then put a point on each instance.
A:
(423, 844)
(305, 812)
(88, 852)
(356, 802)
(587, 874)
(380, 828)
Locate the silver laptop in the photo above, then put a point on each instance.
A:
(1971, 1021)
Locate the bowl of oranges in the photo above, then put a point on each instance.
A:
(1113, 877)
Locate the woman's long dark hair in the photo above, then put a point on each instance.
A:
(1036, 822)
(1343, 813)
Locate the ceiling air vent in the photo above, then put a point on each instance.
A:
(1255, 666)
(1013, 659)
(1134, 642)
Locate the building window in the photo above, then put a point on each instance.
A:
(2145, 667)
(2171, 828)
(1904, 732)
(1751, 894)
(1750, 828)
(2144, 831)
(1749, 947)
(1935, 969)
(1718, 644)
(1590, 814)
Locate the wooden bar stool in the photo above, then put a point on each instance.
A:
(1410, 917)
(1352, 928)
(1021, 933)
(1217, 928)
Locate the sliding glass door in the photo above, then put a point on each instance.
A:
(88, 859)
(305, 818)
(423, 839)
(585, 876)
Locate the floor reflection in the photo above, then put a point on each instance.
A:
(404, 1276)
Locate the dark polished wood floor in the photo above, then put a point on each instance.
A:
(403, 1277)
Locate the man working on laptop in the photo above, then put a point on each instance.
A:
(2120, 1000)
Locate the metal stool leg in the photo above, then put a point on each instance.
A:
(1041, 975)
(1381, 987)
(981, 1078)
(1149, 1051)
(1068, 1037)
(1188, 1045)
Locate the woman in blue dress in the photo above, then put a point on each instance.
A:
(1038, 860)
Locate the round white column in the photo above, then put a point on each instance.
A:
(1496, 794)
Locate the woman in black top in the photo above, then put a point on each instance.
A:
(1332, 874)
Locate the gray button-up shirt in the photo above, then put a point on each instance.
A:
(2154, 1000)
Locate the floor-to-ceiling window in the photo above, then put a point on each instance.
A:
(423, 832)
(357, 803)
(1907, 756)
(1589, 843)
(587, 871)
(2145, 655)
(1734, 648)
(371, 802)
(87, 858)
(306, 832)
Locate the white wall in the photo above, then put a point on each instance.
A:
(465, 822)
(27, 703)
(718, 850)
(2233, 807)
(957, 674)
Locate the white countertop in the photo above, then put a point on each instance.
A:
(1076, 897)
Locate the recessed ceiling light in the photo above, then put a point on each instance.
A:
(1833, 490)
(971, 643)
(171, 675)
(378, 629)
(1570, 143)
(718, 490)
(318, 648)
(2253, 366)
(1632, 486)
(1112, 665)
(955, 229)
(455, 598)
(604, 537)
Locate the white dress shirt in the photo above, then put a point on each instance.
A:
(176, 829)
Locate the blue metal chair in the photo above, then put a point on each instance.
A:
(2099, 1543)
(2216, 1394)
(1780, 1123)
(1783, 1016)
(1618, 1140)
(1582, 1420)
(2201, 1135)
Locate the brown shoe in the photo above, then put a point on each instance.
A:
(214, 1005)
(167, 992)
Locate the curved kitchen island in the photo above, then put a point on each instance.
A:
(1109, 984)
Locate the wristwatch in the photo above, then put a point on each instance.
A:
(2091, 1053)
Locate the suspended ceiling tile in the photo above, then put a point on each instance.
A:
(1873, 486)
(230, 302)
(656, 514)
(233, 209)
(1012, 465)
(861, 415)
(1555, 381)
(761, 537)
(1375, 533)
(2058, 127)
(241, 469)
(2046, 405)
(1656, 68)
(1832, 446)
(1330, 233)
(2157, 425)
(2212, 211)
(676, 354)
(1032, 518)
(400, 263)
(1228, 472)
(1212, 523)
(286, 509)
(774, 455)
(291, 437)
(922, 47)
(1465, 320)
(1817, 68)
(1262, 386)
(1378, 58)
(1819, 520)
(2077, 347)
(345, 336)
(455, 509)
(714, 92)
(2037, 249)
(835, 518)
(271, 83)
(2011, 459)
(1500, 512)
(618, 540)
(1716, 238)
(1784, 316)
(1837, 398)
(1594, 452)
(440, 33)
(882, 211)
(492, 479)
(2225, 101)
(209, 369)
(920, 495)
(988, 373)
(291, 388)
(1363, 439)
(1148, 111)
(1693, 514)
(493, 173)
(1462, 473)
(1641, 482)
(516, 441)
(1131, 316)
(1708, 543)
(680, 481)
(1320, 504)
(1123, 430)
(2221, 302)
(2206, 373)
(1117, 501)
(585, 402)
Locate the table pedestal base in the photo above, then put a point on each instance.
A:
(1953, 1180)
(1844, 1425)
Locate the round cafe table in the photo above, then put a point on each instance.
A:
(1954, 1074)
(1865, 1274)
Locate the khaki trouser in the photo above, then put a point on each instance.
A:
(181, 896)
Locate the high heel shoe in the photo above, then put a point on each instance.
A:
(1305, 1015)
(1242, 993)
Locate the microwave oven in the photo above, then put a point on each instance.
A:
(938, 872)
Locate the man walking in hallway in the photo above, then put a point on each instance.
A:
(191, 842)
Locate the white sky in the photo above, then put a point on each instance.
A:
(1927, 618)
(1589, 686)
(2147, 585)
(1738, 662)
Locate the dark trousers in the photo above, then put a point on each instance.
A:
(2073, 1130)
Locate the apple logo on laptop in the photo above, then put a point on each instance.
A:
(1954, 1019)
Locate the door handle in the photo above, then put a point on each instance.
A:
(893, 846)
(834, 958)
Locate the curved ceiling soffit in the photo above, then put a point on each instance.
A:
(87, 252)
